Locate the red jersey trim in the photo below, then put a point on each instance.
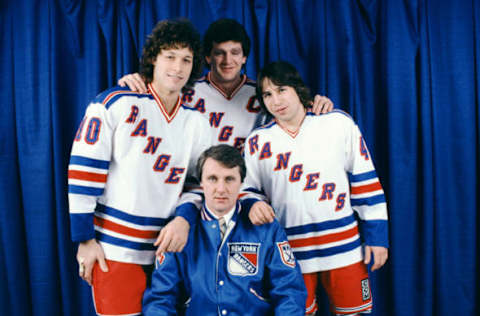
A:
(292, 134)
(124, 230)
(366, 188)
(325, 239)
(87, 176)
(161, 106)
(240, 85)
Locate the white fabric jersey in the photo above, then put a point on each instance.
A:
(307, 178)
(232, 118)
(129, 162)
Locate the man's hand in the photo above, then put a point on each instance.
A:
(173, 237)
(88, 253)
(261, 213)
(380, 256)
(134, 82)
(321, 105)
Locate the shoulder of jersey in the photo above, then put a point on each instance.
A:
(110, 96)
(195, 114)
(201, 79)
(186, 107)
(333, 113)
(243, 216)
(265, 126)
(251, 82)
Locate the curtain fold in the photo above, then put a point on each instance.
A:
(407, 72)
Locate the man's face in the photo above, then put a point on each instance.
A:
(221, 186)
(172, 68)
(226, 60)
(282, 102)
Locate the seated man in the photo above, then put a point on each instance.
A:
(228, 265)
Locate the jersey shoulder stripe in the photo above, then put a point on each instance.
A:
(108, 97)
(201, 79)
(251, 82)
(265, 126)
(337, 111)
(186, 107)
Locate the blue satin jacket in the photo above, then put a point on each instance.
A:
(252, 272)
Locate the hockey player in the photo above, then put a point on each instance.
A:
(229, 266)
(225, 96)
(319, 176)
(130, 158)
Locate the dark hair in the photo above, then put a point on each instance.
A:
(282, 73)
(225, 30)
(226, 155)
(169, 34)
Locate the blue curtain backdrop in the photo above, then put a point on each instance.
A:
(408, 72)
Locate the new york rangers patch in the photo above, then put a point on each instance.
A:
(286, 253)
(243, 258)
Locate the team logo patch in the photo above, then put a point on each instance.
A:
(286, 253)
(243, 258)
(365, 290)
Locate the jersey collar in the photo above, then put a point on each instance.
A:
(168, 116)
(222, 92)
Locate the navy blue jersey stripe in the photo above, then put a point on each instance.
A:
(376, 199)
(140, 220)
(362, 176)
(266, 126)
(89, 162)
(124, 243)
(304, 255)
(120, 95)
(117, 92)
(318, 227)
(340, 112)
(189, 108)
(104, 94)
(80, 189)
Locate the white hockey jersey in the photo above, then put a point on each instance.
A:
(129, 162)
(232, 118)
(314, 181)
